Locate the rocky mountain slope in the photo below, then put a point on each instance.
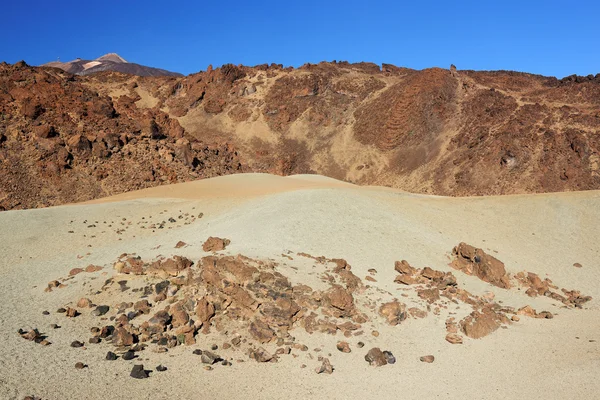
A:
(108, 62)
(66, 138)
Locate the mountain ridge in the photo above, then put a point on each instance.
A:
(108, 62)
(434, 131)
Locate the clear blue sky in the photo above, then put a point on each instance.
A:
(544, 37)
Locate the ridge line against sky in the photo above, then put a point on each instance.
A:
(547, 38)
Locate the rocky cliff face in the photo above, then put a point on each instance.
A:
(66, 138)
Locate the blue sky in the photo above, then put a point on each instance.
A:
(543, 37)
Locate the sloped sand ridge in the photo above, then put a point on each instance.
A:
(370, 229)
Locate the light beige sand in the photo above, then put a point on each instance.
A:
(265, 216)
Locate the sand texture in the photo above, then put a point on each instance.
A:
(276, 220)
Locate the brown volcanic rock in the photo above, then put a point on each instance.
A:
(215, 244)
(394, 312)
(68, 138)
(481, 323)
(474, 261)
(376, 357)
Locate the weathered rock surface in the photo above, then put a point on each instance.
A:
(474, 261)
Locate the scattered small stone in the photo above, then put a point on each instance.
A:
(360, 345)
(454, 338)
(71, 312)
(344, 347)
(84, 303)
(161, 368)
(76, 344)
(577, 265)
(80, 365)
(45, 313)
(138, 372)
(110, 356)
(375, 333)
(214, 347)
(208, 368)
(376, 357)
(180, 244)
(209, 358)
(94, 340)
(100, 310)
(261, 355)
(54, 326)
(75, 271)
(197, 352)
(325, 367)
(389, 357)
(61, 310)
(128, 355)
(427, 359)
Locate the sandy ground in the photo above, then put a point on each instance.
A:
(265, 216)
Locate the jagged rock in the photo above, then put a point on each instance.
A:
(474, 261)
(394, 312)
(341, 299)
(261, 355)
(209, 358)
(71, 312)
(179, 315)
(481, 323)
(344, 347)
(454, 338)
(325, 367)
(121, 337)
(261, 331)
(376, 357)
(169, 267)
(430, 295)
(138, 372)
(205, 310)
(389, 357)
(215, 244)
(142, 306)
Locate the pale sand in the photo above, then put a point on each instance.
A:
(265, 216)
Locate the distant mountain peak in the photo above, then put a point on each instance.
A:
(114, 57)
(108, 62)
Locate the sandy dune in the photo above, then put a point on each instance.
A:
(267, 216)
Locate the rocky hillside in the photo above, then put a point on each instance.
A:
(66, 138)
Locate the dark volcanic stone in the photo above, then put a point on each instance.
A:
(94, 340)
(76, 343)
(161, 368)
(128, 355)
(390, 357)
(138, 372)
(110, 356)
(100, 310)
